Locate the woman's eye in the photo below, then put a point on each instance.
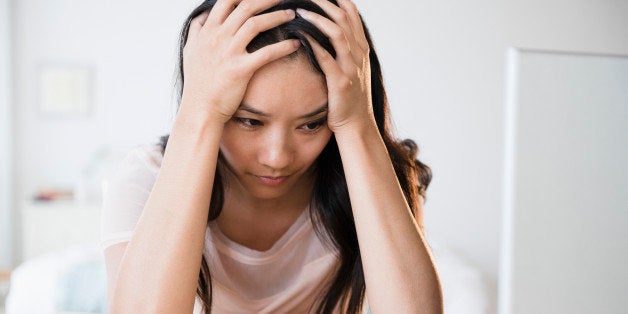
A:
(248, 122)
(315, 125)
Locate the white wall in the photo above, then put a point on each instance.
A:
(443, 67)
(131, 48)
(6, 236)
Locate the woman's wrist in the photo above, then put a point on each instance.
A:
(200, 108)
(204, 105)
(353, 131)
(194, 121)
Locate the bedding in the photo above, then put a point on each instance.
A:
(68, 281)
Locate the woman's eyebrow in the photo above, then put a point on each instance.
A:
(315, 112)
(252, 110)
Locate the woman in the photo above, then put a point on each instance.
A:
(246, 205)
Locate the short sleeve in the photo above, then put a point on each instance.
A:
(126, 191)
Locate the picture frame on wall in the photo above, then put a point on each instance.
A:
(65, 90)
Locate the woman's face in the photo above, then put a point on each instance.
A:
(278, 131)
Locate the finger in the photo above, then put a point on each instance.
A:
(332, 30)
(245, 10)
(273, 52)
(341, 17)
(325, 59)
(260, 23)
(356, 23)
(196, 24)
(220, 11)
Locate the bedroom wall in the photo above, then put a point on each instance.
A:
(444, 65)
(6, 254)
(130, 48)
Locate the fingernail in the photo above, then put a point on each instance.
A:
(302, 12)
(296, 42)
(290, 13)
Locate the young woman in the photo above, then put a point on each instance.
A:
(280, 188)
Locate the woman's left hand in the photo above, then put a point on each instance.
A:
(349, 75)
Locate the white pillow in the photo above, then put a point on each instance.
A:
(34, 286)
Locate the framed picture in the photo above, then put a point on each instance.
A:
(65, 90)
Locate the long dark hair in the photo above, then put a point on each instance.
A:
(332, 216)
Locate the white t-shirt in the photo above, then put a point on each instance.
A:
(285, 279)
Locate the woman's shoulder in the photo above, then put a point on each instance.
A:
(126, 190)
(139, 165)
(150, 155)
(145, 157)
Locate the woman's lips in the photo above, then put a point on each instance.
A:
(272, 181)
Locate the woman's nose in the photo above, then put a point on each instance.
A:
(276, 153)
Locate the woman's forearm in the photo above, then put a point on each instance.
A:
(399, 271)
(159, 270)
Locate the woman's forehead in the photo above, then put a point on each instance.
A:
(291, 87)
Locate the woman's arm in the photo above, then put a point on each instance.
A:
(159, 270)
(399, 270)
(160, 267)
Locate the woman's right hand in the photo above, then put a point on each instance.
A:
(216, 66)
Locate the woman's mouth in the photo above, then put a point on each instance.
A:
(272, 181)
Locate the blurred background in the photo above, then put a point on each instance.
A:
(520, 108)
